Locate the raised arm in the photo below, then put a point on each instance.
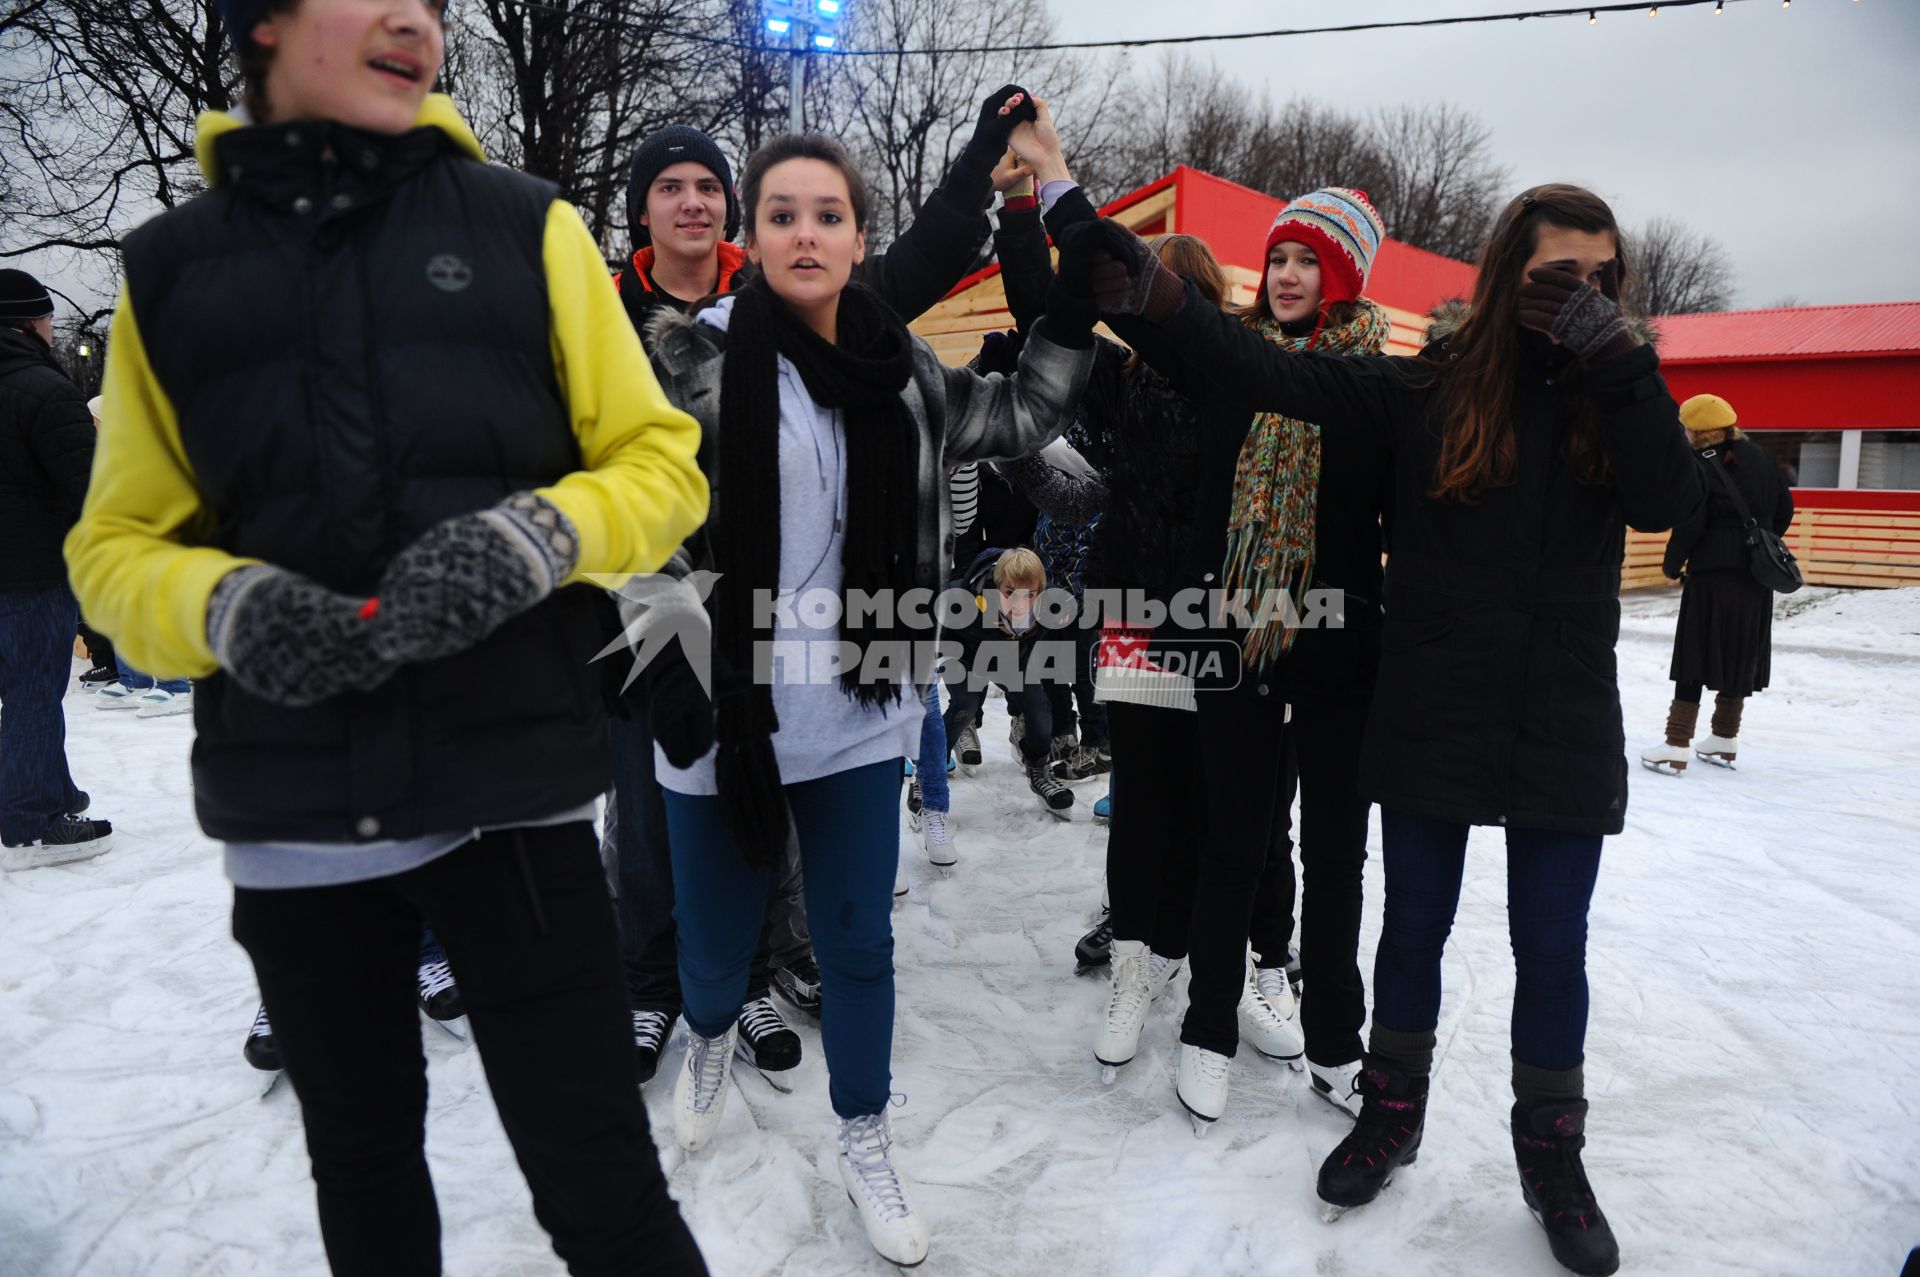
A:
(1070, 498)
(944, 241)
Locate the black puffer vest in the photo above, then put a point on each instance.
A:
(353, 331)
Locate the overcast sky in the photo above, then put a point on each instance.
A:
(1793, 136)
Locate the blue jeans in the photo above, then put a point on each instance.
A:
(931, 766)
(37, 627)
(1550, 879)
(134, 680)
(849, 830)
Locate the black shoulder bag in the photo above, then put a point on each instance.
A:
(1768, 558)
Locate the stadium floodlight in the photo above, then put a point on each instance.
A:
(822, 41)
(828, 9)
(779, 26)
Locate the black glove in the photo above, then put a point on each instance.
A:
(679, 713)
(969, 183)
(1587, 320)
(468, 575)
(289, 640)
(1127, 278)
(1071, 312)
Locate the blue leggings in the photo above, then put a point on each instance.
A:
(849, 831)
(931, 766)
(1550, 880)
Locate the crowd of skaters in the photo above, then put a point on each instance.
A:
(379, 427)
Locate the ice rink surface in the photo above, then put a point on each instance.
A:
(1753, 1060)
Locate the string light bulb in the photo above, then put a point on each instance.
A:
(1590, 18)
(1654, 12)
(1719, 7)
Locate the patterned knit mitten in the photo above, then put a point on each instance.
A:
(289, 640)
(468, 575)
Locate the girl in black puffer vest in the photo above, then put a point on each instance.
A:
(372, 415)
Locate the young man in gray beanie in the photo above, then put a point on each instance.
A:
(46, 453)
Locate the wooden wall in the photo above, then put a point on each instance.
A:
(1878, 548)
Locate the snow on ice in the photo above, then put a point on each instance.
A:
(1753, 1060)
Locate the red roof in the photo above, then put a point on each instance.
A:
(1233, 220)
(1799, 332)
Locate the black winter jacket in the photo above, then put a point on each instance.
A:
(1496, 701)
(1715, 539)
(46, 453)
(354, 330)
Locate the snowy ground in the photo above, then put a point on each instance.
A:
(1754, 1058)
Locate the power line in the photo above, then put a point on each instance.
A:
(1589, 11)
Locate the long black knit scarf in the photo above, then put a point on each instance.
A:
(863, 375)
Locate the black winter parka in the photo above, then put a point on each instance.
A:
(1496, 702)
(46, 453)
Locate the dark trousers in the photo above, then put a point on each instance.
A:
(1091, 722)
(36, 655)
(1029, 700)
(643, 868)
(1225, 759)
(1550, 879)
(528, 929)
(1324, 742)
(849, 829)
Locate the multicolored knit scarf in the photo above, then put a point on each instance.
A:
(1276, 488)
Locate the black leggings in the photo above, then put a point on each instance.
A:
(526, 921)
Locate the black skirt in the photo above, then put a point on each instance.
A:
(1725, 637)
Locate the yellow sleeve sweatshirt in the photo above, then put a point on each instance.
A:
(138, 559)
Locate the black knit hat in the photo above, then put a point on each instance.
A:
(22, 297)
(663, 149)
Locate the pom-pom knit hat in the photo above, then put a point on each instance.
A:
(1344, 231)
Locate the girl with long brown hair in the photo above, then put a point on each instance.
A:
(1524, 444)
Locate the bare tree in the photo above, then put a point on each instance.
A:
(1439, 187)
(98, 100)
(1677, 270)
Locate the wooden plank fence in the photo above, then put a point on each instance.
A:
(1835, 547)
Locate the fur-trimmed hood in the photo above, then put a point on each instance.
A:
(1445, 319)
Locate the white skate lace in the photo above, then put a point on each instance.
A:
(260, 1029)
(1157, 967)
(649, 1029)
(867, 1142)
(435, 977)
(936, 825)
(708, 1058)
(760, 1018)
(1211, 1066)
(1129, 994)
(1275, 991)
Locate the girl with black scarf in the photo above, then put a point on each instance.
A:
(827, 433)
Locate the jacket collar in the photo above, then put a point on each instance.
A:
(733, 259)
(18, 349)
(282, 164)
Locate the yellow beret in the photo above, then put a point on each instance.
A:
(1707, 412)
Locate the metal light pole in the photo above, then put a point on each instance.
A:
(807, 24)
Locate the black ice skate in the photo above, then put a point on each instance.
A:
(1096, 947)
(439, 995)
(1547, 1140)
(1393, 1113)
(799, 983)
(1054, 796)
(767, 1044)
(651, 1029)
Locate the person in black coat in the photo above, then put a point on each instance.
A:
(46, 452)
(1524, 445)
(1724, 639)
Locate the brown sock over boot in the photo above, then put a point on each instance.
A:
(1726, 715)
(1682, 718)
